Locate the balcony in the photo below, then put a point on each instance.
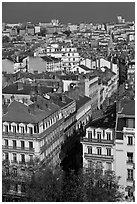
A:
(96, 141)
(96, 156)
(11, 134)
(11, 148)
(129, 130)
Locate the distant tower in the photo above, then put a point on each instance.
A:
(110, 45)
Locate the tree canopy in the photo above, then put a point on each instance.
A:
(87, 185)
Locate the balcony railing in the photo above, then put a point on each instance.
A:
(5, 147)
(129, 130)
(102, 156)
(20, 134)
(96, 140)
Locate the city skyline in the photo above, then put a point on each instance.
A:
(86, 12)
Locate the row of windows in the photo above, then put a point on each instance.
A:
(99, 151)
(21, 129)
(14, 156)
(99, 135)
(22, 144)
(24, 129)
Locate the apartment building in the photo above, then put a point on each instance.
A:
(68, 54)
(125, 146)
(52, 64)
(32, 131)
(98, 142)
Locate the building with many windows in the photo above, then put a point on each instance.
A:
(125, 146)
(32, 131)
(98, 142)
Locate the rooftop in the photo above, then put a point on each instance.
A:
(19, 112)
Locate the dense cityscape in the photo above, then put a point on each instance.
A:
(68, 111)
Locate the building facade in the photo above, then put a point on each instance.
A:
(125, 146)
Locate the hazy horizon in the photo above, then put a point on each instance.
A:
(65, 12)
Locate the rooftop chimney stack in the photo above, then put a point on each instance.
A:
(63, 98)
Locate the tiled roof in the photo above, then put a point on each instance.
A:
(108, 121)
(129, 107)
(13, 89)
(18, 112)
(36, 112)
(57, 99)
(82, 101)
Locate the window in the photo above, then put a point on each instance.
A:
(14, 129)
(108, 136)
(109, 166)
(15, 172)
(30, 145)
(90, 164)
(89, 135)
(22, 145)
(23, 158)
(131, 123)
(108, 151)
(14, 144)
(89, 150)
(99, 150)
(7, 171)
(30, 130)
(130, 174)
(6, 128)
(130, 192)
(22, 130)
(14, 157)
(6, 156)
(99, 136)
(31, 158)
(130, 140)
(130, 157)
(6, 143)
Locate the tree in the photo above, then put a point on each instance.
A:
(54, 185)
(5, 39)
(100, 187)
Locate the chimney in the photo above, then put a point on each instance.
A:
(20, 86)
(111, 64)
(63, 98)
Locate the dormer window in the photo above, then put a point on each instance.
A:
(6, 128)
(22, 130)
(99, 135)
(90, 135)
(30, 130)
(14, 129)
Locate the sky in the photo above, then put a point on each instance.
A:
(67, 12)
